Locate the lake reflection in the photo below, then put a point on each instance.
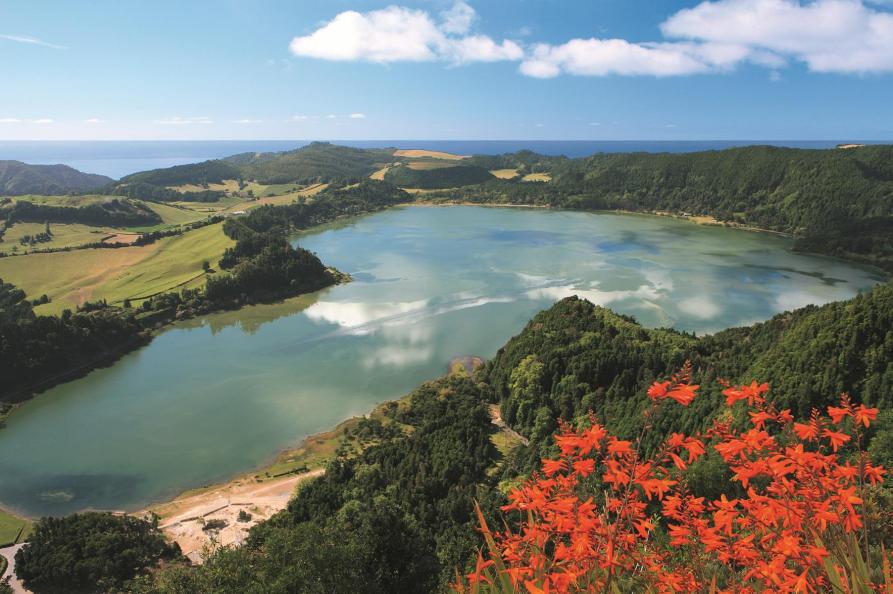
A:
(214, 397)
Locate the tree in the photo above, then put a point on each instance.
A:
(89, 553)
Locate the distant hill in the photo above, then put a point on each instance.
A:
(17, 178)
(316, 162)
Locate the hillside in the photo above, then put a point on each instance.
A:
(836, 202)
(316, 162)
(576, 357)
(437, 177)
(17, 178)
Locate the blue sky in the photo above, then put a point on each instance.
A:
(440, 69)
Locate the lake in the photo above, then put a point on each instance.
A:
(215, 397)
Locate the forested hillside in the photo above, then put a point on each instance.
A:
(40, 350)
(17, 178)
(316, 162)
(837, 202)
(576, 357)
(437, 178)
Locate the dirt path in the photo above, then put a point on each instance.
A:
(10, 553)
(496, 419)
(183, 520)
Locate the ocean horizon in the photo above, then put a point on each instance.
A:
(117, 158)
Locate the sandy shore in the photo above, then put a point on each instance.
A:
(184, 519)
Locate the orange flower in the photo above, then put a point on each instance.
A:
(864, 415)
(794, 493)
(837, 414)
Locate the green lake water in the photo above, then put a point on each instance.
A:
(222, 395)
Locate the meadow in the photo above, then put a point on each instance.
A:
(71, 278)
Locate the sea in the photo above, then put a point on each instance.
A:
(116, 158)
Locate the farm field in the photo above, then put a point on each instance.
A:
(537, 177)
(504, 173)
(419, 154)
(85, 200)
(71, 278)
(63, 235)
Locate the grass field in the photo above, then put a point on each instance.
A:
(66, 200)
(64, 235)
(537, 177)
(70, 278)
(418, 154)
(504, 173)
(11, 528)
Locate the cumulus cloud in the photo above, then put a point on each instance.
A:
(357, 116)
(841, 36)
(458, 19)
(180, 121)
(828, 35)
(247, 121)
(398, 34)
(94, 121)
(837, 36)
(32, 41)
(10, 120)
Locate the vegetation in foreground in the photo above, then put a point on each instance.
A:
(608, 515)
(90, 552)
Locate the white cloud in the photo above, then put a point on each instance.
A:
(247, 121)
(298, 118)
(21, 121)
(715, 36)
(331, 116)
(94, 121)
(458, 19)
(595, 123)
(398, 34)
(180, 121)
(700, 307)
(357, 116)
(32, 41)
(842, 36)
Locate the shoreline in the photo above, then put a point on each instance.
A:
(289, 458)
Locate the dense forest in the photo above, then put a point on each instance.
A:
(17, 179)
(438, 177)
(83, 553)
(576, 357)
(40, 350)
